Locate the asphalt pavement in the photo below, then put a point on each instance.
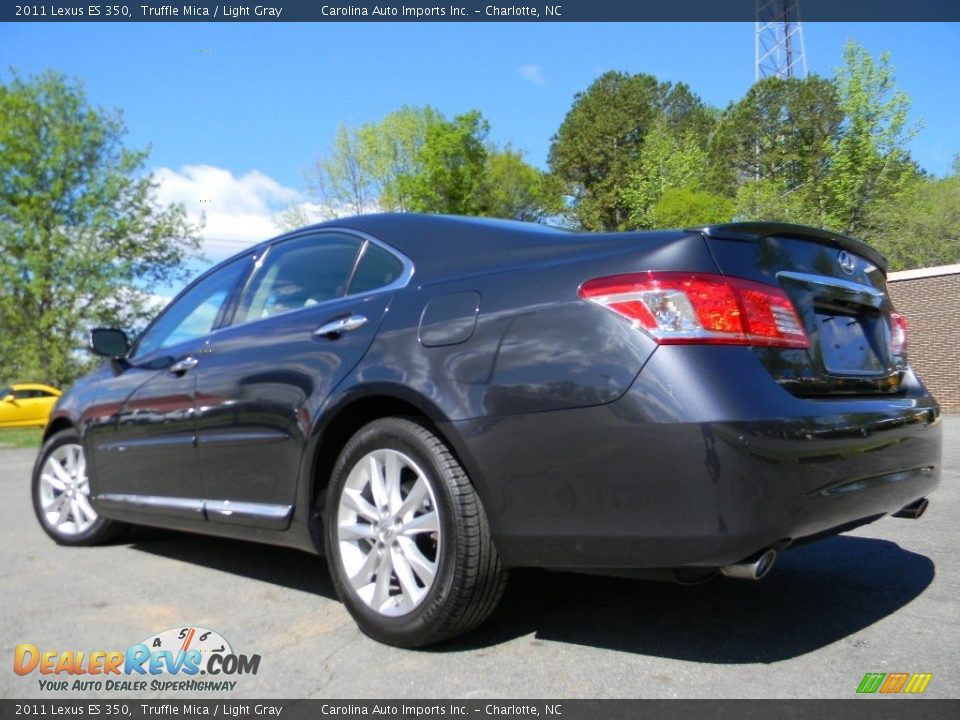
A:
(883, 598)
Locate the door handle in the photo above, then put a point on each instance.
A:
(181, 366)
(335, 328)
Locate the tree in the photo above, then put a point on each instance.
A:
(869, 162)
(345, 181)
(83, 238)
(686, 208)
(921, 227)
(449, 169)
(783, 129)
(362, 171)
(598, 145)
(670, 159)
(414, 159)
(514, 189)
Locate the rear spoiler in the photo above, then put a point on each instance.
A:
(753, 231)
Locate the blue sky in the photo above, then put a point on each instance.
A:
(234, 112)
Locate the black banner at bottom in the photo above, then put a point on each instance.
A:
(854, 709)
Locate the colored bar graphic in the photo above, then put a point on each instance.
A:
(892, 683)
(870, 683)
(918, 683)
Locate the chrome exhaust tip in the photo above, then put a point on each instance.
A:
(913, 510)
(752, 569)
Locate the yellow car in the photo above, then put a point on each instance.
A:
(26, 405)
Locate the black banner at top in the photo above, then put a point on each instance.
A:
(472, 11)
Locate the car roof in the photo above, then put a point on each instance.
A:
(33, 386)
(447, 245)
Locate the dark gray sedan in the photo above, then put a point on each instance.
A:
(431, 400)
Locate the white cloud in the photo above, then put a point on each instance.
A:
(238, 211)
(532, 73)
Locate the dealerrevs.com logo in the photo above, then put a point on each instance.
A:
(172, 660)
(893, 683)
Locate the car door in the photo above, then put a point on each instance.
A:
(298, 330)
(14, 411)
(141, 440)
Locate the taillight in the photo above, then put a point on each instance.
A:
(700, 308)
(898, 334)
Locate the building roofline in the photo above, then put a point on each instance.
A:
(926, 272)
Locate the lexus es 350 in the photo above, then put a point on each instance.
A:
(433, 400)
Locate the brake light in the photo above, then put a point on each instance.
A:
(899, 336)
(700, 308)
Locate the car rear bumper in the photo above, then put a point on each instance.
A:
(703, 462)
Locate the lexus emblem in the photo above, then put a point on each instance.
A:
(847, 262)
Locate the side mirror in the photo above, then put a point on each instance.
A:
(109, 342)
(9, 399)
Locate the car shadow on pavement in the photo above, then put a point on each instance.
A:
(282, 566)
(816, 595)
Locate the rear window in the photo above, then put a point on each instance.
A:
(378, 267)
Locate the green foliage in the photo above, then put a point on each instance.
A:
(82, 236)
(670, 159)
(20, 437)
(597, 149)
(686, 208)
(772, 199)
(920, 227)
(869, 162)
(514, 189)
(414, 159)
(450, 167)
(783, 128)
(363, 170)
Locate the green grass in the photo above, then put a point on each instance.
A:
(20, 437)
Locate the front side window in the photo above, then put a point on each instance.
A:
(298, 274)
(194, 314)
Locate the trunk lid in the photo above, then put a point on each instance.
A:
(838, 287)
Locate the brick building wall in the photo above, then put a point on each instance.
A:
(930, 300)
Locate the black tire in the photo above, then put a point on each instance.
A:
(469, 579)
(99, 531)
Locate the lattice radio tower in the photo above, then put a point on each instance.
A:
(779, 43)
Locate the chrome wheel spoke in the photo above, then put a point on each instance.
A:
(54, 504)
(381, 591)
(425, 569)
(391, 472)
(86, 509)
(408, 584)
(414, 498)
(355, 531)
(361, 507)
(64, 513)
(70, 462)
(377, 486)
(363, 576)
(427, 522)
(59, 470)
(53, 482)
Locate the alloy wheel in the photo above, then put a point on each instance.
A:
(388, 532)
(64, 491)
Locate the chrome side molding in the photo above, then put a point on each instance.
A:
(273, 517)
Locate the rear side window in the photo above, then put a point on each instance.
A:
(298, 274)
(378, 267)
